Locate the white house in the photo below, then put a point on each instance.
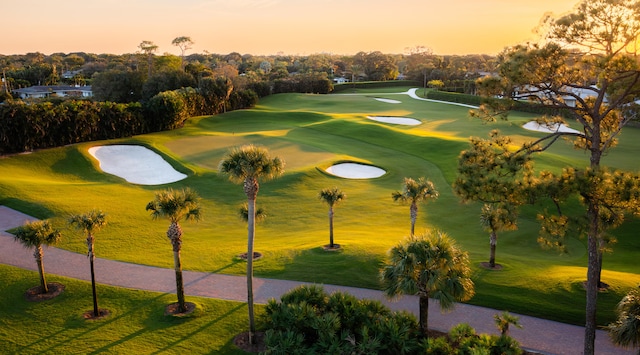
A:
(40, 92)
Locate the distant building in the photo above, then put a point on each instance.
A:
(41, 92)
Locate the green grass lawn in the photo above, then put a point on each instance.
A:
(310, 132)
(136, 325)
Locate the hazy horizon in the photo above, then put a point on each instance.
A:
(268, 27)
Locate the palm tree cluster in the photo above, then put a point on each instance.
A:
(429, 265)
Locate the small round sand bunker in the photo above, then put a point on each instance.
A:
(355, 171)
(407, 121)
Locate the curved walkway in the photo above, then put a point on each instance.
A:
(541, 335)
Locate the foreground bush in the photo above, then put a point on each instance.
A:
(309, 321)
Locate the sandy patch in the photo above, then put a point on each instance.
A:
(136, 164)
(396, 120)
(389, 101)
(355, 171)
(535, 126)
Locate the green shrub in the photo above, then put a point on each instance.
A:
(285, 342)
(437, 346)
(339, 323)
(460, 332)
(505, 345)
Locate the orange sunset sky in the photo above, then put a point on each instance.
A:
(262, 27)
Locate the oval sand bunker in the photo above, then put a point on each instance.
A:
(136, 164)
(396, 120)
(389, 101)
(355, 171)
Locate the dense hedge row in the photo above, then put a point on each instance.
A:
(302, 85)
(454, 97)
(375, 85)
(26, 127)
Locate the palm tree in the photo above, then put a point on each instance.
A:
(332, 196)
(89, 223)
(35, 234)
(413, 192)
(495, 218)
(246, 165)
(176, 205)
(504, 320)
(430, 265)
(625, 331)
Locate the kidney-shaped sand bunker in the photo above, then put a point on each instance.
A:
(136, 164)
(355, 171)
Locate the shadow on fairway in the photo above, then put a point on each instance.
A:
(347, 267)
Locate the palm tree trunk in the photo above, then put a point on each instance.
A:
(39, 254)
(92, 257)
(330, 227)
(424, 314)
(251, 233)
(493, 241)
(179, 282)
(414, 216)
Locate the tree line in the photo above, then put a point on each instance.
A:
(52, 123)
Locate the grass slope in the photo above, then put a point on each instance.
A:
(311, 132)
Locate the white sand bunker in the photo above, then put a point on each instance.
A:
(389, 101)
(396, 120)
(355, 171)
(136, 164)
(535, 126)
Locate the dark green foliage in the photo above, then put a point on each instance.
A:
(167, 110)
(117, 86)
(44, 125)
(467, 342)
(460, 332)
(437, 346)
(336, 324)
(240, 99)
(314, 84)
(298, 327)
(261, 88)
(454, 97)
(285, 342)
(166, 81)
(313, 295)
(505, 345)
(376, 84)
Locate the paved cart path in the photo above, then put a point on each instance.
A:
(537, 334)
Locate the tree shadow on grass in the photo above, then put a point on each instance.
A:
(347, 267)
(200, 329)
